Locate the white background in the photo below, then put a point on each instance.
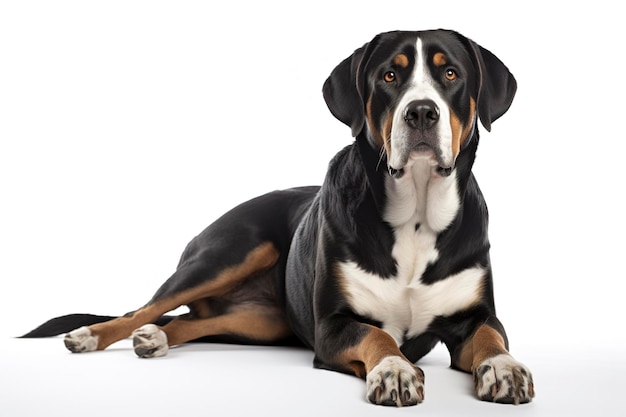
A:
(126, 127)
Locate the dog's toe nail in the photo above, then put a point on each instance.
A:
(406, 396)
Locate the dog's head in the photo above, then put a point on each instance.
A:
(418, 95)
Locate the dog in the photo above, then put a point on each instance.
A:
(371, 270)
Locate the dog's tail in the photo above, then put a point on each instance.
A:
(65, 324)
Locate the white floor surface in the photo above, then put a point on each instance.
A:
(40, 378)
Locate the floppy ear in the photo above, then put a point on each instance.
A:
(497, 85)
(342, 90)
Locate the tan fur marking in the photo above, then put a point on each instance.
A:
(485, 343)
(439, 59)
(401, 60)
(373, 348)
(468, 125)
(461, 131)
(457, 129)
(262, 324)
(200, 309)
(371, 124)
(263, 257)
(121, 328)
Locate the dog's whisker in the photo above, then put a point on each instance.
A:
(382, 154)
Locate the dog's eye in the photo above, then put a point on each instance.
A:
(451, 74)
(389, 77)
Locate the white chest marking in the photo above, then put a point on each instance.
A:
(404, 304)
(406, 309)
(421, 196)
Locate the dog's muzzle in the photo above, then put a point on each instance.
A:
(421, 118)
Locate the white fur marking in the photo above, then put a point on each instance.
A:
(81, 340)
(394, 373)
(421, 196)
(403, 304)
(150, 342)
(503, 379)
(422, 87)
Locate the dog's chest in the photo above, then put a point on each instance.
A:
(405, 305)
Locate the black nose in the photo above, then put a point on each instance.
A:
(421, 114)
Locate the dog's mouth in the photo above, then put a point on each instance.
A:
(420, 151)
(422, 148)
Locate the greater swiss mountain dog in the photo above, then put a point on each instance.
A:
(371, 270)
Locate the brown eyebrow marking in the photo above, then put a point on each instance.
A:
(439, 59)
(401, 60)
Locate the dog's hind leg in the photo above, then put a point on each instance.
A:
(200, 276)
(258, 324)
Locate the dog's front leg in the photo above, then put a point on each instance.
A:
(370, 353)
(497, 375)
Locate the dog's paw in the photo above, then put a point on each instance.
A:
(502, 379)
(150, 342)
(81, 340)
(394, 381)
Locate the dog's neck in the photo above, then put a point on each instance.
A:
(422, 196)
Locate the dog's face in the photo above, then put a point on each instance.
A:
(418, 95)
